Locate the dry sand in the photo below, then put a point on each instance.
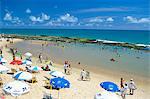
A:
(78, 89)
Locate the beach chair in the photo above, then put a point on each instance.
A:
(47, 96)
(47, 84)
(33, 80)
(13, 70)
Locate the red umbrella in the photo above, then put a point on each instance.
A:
(16, 62)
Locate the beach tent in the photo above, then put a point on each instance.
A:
(107, 95)
(16, 88)
(16, 62)
(59, 83)
(35, 68)
(57, 74)
(3, 69)
(28, 54)
(109, 86)
(22, 76)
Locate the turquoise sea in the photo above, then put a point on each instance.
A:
(130, 36)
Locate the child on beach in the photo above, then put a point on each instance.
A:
(124, 91)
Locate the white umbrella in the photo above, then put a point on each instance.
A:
(23, 75)
(3, 68)
(27, 62)
(28, 54)
(57, 74)
(16, 88)
(107, 95)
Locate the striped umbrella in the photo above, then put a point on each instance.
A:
(22, 75)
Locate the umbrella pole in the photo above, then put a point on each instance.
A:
(58, 94)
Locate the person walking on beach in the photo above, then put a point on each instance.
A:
(40, 57)
(65, 67)
(122, 83)
(132, 86)
(124, 91)
(69, 69)
(83, 73)
(1, 52)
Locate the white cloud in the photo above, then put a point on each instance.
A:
(42, 18)
(135, 20)
(28, 11)
(110, 19)
(45, 17)
(68, 18)
(119, 9)
(95, 20)
(8, 17)
(13, 19)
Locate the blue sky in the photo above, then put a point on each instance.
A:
(86, 14)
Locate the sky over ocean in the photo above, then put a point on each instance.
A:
(81, 14)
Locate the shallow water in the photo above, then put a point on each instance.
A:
(126, 60)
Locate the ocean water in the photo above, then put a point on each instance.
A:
(127, 61)
(129, 36)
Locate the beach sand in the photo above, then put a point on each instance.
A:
(78, 89)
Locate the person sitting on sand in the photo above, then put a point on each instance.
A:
(83, 73)
(131, 86)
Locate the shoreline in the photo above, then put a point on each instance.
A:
(138, 46)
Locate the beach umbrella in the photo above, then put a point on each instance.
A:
(27, 62)
(3, 69)
(59, 83)
(109, 86)
(28, 54)
(16, 88)
(57, 74)
(22, 76)
(16, 62)
(35, 68)
(106, 95)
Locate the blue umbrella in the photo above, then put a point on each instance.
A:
(109, 86)
(59, 83)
